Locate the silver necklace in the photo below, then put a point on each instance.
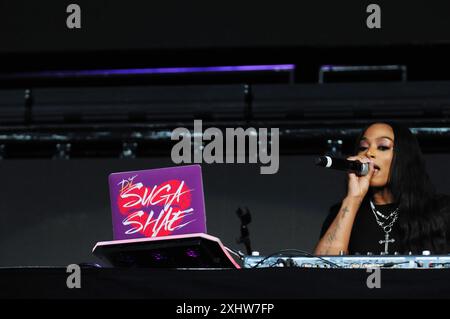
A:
(385, 225)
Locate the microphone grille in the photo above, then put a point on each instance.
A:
(364, 169)
(324, 161)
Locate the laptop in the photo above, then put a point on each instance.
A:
(157, 202)
(159, 221)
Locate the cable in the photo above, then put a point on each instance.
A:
(392, 264)
(304, 254)
(236, 253)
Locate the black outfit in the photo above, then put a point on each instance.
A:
(366, 233)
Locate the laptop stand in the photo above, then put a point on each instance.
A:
(178, 251)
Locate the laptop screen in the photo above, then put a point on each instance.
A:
(157, 202)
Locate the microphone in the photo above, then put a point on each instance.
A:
(342, 164)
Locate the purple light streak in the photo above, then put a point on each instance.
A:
(149, 71)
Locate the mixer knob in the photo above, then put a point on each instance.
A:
(369, 253)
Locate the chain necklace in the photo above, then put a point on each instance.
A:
(382, 221)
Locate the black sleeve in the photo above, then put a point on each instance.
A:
(334, 210)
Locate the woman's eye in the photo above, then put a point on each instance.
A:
(362, 148)
(383, 148)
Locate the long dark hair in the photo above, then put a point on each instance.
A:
(421, 222)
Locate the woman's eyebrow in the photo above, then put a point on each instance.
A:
(378, 138)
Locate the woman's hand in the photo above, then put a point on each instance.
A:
(359, 185)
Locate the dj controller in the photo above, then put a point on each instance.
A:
(424, 261)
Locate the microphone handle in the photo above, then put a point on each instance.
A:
(356, 167)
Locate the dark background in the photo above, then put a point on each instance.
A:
(53, 211)
(28, 26)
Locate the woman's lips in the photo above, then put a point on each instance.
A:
(376, 168)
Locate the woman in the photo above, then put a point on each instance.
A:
(392, 209)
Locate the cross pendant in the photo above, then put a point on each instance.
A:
(386, 242)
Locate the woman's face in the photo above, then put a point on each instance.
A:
(377, 143)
